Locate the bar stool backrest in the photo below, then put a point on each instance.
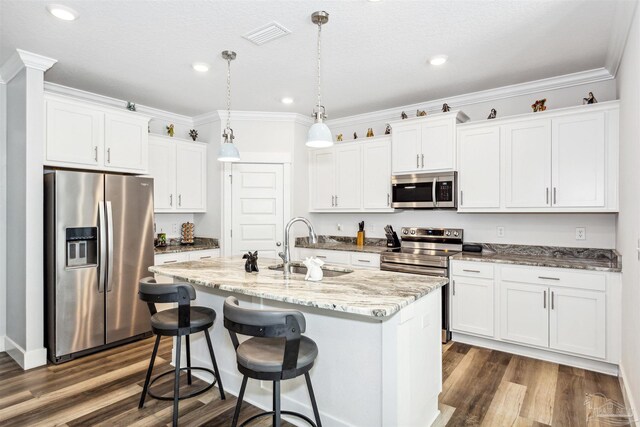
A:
(154, 293)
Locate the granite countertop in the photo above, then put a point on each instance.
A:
(343, 243)
(199, 244)
(607, 260)
(365, 292)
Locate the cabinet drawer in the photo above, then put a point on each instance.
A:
(163, 259)
(204, 255)
(329, 257)
(554, 277)
(472, 269)
(365, 260)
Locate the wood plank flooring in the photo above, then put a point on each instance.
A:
(481, 387)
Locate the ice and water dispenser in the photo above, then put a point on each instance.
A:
(82, 247)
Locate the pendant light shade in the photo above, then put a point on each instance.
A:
(319, 135)
(228, 150)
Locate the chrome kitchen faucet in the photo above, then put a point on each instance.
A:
(285, 254)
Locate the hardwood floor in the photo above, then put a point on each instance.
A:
(481, 387)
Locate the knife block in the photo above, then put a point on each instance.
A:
(360, 238)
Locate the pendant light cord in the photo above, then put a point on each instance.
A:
(319, 86)
(228, 93)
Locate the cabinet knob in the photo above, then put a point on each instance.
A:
(278, 244)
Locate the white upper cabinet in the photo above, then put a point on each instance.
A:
(351, 177)
(179, 171)
(527, 163)
(425, 144)
(564, 160)
(479, 163)
(89, 136)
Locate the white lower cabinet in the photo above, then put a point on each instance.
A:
(174, 258)
(472, 305)
(523, 314)
(352, 259)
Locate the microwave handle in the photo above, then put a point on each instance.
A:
(433, 192)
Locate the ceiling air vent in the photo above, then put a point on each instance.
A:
(266, 33)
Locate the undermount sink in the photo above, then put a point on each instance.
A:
(299, 268)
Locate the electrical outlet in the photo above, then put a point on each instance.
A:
(500, 231)
(174, 228)
(581, 233)
(339, 227)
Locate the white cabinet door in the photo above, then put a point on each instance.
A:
(376, 177)
(406, 146)
(479, 167)
(74, 133)
(322, 179)
(578, 322)
(438, 145)
(191, 177)
(472, 305)
(579, 160)
(527, 162)
(126, 142)
(524, 315)
(162, 167)
(348, 177)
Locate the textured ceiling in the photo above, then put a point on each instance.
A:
(375, 54)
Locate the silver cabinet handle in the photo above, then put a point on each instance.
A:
(95, 153)
(554, 196)
(547, 195)
(388, 200)
(171, 261)
(108, 155)
(548, 278)
(320, 256)
(471, 271)
(336, 200)
(544, 300)
(417, 161)
(364, 260)
(205, 257)
(333, 201)
(179, 199)
(171, 200)
(454, 287)
(461, 197)
(423, 160)
(552, 304)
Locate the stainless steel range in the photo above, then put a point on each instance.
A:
(426, 251)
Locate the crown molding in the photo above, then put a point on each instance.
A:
(625, 13)
(23, 59)
(155, 113)
(210, 117)
(264, 116)
(459, 101)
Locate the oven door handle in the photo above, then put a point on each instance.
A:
(433, 192)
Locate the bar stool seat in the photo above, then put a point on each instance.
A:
(165, 322)
(267, 354)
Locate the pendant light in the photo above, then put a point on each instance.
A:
(228, 150)
(319, 134)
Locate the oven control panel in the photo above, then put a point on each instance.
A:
(432, 233)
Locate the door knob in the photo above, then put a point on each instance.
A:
(278, 244)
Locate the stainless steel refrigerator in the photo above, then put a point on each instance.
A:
(98, 244)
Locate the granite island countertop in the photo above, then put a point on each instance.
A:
(370, 293)
(607, 260)
(344, 243)
(199, 244)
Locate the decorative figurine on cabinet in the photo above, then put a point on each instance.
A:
(170, 130)
(355, 135)
(193, 134)
(369, 132)
(251, 264)
(421, 113)
(339, 137)
(403, 115)
(131, 106)
(445, 108)
(387, 129)
(590, 99)
(493, 114)
(539, 105)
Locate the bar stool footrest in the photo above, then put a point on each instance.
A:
(186, 396)
(291, 413)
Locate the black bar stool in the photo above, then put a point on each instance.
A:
(177, 322)
(277, 352)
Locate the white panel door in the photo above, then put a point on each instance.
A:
(406, 146)
(578, 322)
(348, 177)
(126, 142)
(376, 177)
(527, 164)
(438, 145)
(257, 209)
(524, 313)
(74, 134)
(162, 167)
(472, 305)
(191, 177)
(479, 167)
(323, 179)
(579, 160)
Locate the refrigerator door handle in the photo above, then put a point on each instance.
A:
(102, 269)
(109, 247)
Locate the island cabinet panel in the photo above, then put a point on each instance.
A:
(523, 313)
(89, 136)
(472, 305)
(479, 168)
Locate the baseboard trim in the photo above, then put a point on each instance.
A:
(26, 359)
(564, 359)
(628, 397)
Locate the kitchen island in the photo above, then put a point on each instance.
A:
(378, 335)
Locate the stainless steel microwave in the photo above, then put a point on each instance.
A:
(424, 191)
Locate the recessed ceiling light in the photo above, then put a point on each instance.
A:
(287, 100)
(200, 67)
(438, 60)
(62, 12)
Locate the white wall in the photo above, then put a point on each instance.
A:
(628, 227)
(3, 212)
(171, 223)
